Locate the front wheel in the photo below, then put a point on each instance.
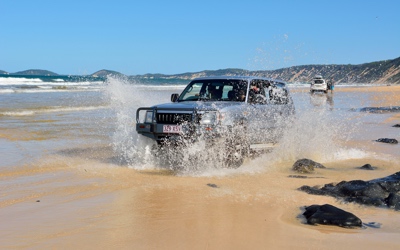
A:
(234, 157)
(237, 147)
(169, 154)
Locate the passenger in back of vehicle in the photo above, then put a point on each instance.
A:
(256, 96)
(214, 93)
(241, 96)
(231, 95)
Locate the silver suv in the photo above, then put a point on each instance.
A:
(243, 113)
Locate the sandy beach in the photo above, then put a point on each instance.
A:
(80, 197)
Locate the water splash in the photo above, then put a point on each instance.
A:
(125, 97)
(316, 133)
(320, 134)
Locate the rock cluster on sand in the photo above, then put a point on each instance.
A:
(376, 192)
(330, 215)
(306, 166)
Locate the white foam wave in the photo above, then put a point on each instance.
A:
(19, 81)
(6, 91)
(48, 89)
(17, 113)
(49, 110)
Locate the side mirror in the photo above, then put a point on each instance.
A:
(174, 97)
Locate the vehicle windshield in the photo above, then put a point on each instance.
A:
(215, 90)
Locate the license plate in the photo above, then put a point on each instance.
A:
(172, 129)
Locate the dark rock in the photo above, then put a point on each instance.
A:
(312, 190)
(376, 192)
(298, 176)
(390, 184)
(365, 200)
(306, 166)
(396, 125)
(212, 185)
(367, 167)
(330, 215)
(387, 140)
(393, 201)
(304, 177)
(361, 188)
(380, 110)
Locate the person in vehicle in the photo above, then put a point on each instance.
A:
(237, 95)
(241, 97)
(213, 92)
(255, 94)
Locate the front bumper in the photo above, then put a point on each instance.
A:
(189, 128)
(194, 132)
(316, 87)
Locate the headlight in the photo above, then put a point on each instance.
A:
(208, 118)
(149, 117)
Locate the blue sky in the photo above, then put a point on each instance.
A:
(171, 37)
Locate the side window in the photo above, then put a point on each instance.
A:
(191, 92)
(225, 91)
(257, 92)
(279, 95)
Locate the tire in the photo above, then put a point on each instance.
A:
(237, 147)
(169, 155)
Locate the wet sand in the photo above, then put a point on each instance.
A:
(84, 199)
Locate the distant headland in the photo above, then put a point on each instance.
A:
(387, 71)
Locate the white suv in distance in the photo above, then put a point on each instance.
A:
(318, 84)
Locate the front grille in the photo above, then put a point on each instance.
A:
(173, 118)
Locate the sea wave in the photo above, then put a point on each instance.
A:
(49, 110)
(48, 88)
(18, 81)
(24, 82)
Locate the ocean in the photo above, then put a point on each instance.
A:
(74, 173)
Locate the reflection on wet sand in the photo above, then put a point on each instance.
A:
(322, 100)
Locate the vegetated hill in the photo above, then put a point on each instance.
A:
(205, 73)
(105, 73)
(3, 72)
(387, 71)
(35, 72)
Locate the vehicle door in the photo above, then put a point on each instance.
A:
(264, 112)
(283, 108)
